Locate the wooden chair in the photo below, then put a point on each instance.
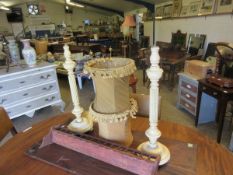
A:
(178, 40)
(143, 104)
(6, 125)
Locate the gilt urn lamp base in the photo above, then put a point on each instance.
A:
(82, 126)
(160, 149)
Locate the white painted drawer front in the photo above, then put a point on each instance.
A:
(20, 82)
(187, 93)
(26, 94)
(34, 104)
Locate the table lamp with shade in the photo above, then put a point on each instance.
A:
(127, 26)
(127, 30)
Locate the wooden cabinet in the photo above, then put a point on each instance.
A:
(24, 90)
(187, 93)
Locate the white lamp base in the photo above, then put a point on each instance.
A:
(160, 149)
(81, 127)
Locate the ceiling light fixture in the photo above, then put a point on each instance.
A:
(4, 8)
(74, 4)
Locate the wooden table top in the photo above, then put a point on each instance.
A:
(216, 87)
(212, 158)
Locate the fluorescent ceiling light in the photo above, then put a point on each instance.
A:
(74, 4)
(4, 8)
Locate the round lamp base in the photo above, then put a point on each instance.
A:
(81, 127)
(161, 150)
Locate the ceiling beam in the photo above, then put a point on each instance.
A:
(148, 5)
(121, 13)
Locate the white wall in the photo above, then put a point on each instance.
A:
(56, 12)
(148, 30)
(80, 14)
(4, 25)
(217, 28)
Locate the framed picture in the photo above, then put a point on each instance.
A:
(194, 8)
(159, 11)
(184, 11)
(177, 4)
(147, 16)
(167, 11)
(207, 7)
(225, 6)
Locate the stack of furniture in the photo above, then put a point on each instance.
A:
(23, 90)
(188, 86)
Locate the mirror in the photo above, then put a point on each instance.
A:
(224, 64)
(195, 43)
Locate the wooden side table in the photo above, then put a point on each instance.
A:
(223, 95)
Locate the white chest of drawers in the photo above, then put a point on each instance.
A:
(25, 90)
(187, 93)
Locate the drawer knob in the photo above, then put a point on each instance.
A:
(26, 94)
(187, 105)
(188, 86)
(50, 99)
(2, 101)
(22, 82)
(47, 88)
(187, 95)
(45, 77)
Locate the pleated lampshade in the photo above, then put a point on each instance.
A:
(129, 21)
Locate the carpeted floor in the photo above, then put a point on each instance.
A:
(168, 108)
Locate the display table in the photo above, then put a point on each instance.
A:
(212, 158)
(171, 62)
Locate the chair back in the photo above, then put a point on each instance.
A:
(178, 40)
(6, 125)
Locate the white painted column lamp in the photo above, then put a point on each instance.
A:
(82, 123)
(153, 146)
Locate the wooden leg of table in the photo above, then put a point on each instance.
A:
(171, 77)
(144, 76)
(198, 104)
(221, 115)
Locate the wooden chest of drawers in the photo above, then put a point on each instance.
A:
(23, 90)
(187, 93)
